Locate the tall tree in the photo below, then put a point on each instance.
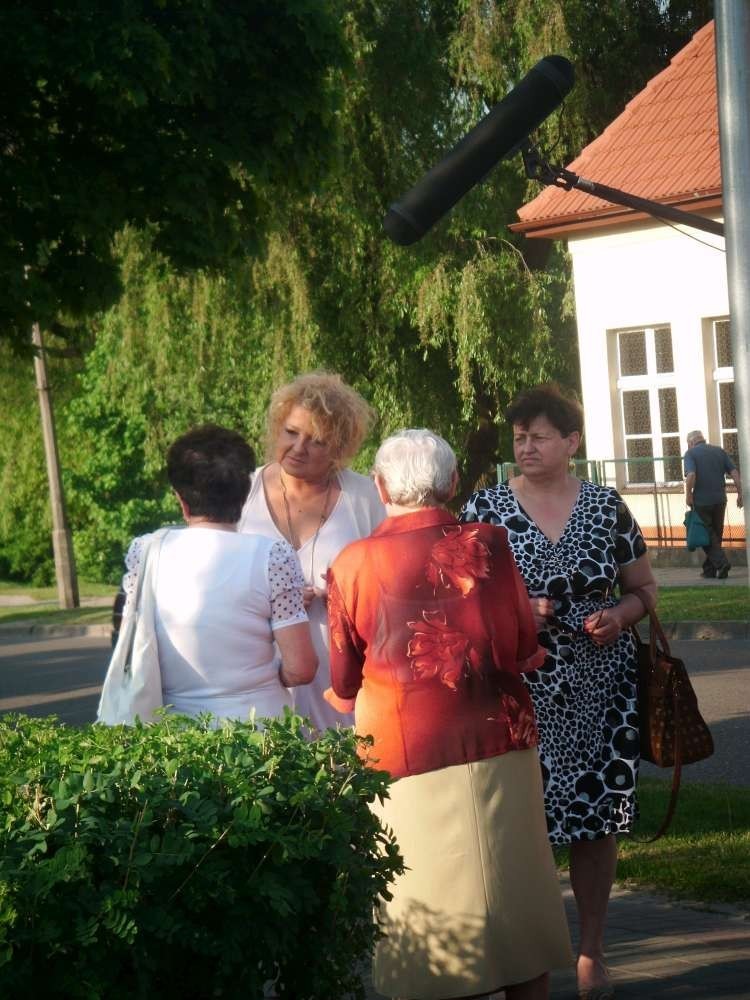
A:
(440, 334)
(165, 112)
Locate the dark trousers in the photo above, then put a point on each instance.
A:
(713, 517)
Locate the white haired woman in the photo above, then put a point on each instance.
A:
(430, 631)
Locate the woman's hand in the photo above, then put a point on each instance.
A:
(541, 608)
(310, 593)
(343, 705)
(603, 627)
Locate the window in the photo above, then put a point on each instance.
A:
(648, 405)
(723, 375)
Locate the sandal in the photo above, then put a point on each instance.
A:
(605, 991)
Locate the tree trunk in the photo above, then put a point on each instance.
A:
(62, 543)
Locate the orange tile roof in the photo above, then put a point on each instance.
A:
(664, 147)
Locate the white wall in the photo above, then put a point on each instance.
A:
(644, 276)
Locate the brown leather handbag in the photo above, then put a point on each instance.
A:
(672, 729)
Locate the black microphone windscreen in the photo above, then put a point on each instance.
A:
(497, 135)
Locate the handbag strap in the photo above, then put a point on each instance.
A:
(149, 567)
(674, 793)
(142, 565)
(149, 552)
(656, 631)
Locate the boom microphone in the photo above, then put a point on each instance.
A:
(499, 134)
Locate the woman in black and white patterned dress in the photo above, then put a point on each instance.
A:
(574, 542)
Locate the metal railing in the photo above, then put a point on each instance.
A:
(662, 472)
(654, 486)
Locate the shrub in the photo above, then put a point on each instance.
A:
(179, 860)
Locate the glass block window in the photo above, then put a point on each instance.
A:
(640, 454)
(648, 405)
(723, 375)
(632, 352)
(670, 434)
(722, 343)
(663, 349)
(672, 454)
(728, 420)
(636, 412)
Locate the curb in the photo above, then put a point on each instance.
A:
(55, 631)
(702, 631)
(734, 911)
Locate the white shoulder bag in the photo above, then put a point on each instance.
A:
(132, 686)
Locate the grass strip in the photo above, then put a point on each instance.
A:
(705, 854)
(704, 604)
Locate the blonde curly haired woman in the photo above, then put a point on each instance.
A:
(306, 494)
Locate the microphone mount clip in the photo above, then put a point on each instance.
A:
(539, 169)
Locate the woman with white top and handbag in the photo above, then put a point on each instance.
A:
(220, 599)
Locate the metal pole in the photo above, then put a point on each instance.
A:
(62, 543)
(733, 76)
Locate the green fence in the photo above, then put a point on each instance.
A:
(654, 473)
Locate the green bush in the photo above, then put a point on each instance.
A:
(178, 860)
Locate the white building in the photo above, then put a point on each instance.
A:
(651, 298)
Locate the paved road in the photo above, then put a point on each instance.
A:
(62, 677)
(42, 676)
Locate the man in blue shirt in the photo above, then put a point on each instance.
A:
(706, 467)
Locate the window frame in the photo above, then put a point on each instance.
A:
(651, 382)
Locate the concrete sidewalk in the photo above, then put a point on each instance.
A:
(658, 949)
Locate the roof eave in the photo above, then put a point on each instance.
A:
(557, 227)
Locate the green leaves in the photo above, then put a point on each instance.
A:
(164, 113)
(218, 137)
(181, 860)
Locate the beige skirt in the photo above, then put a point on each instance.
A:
(479, 906)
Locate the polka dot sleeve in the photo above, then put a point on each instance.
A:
(130, 577)
(286, 582)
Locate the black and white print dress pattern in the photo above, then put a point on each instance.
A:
(584, 695)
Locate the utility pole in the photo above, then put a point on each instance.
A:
(62, 543)
(733, 78)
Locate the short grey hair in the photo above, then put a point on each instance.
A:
(694, 437)
(417, 467)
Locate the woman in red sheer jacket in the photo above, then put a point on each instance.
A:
(430, 630)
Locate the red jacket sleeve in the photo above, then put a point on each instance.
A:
(346, 647)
